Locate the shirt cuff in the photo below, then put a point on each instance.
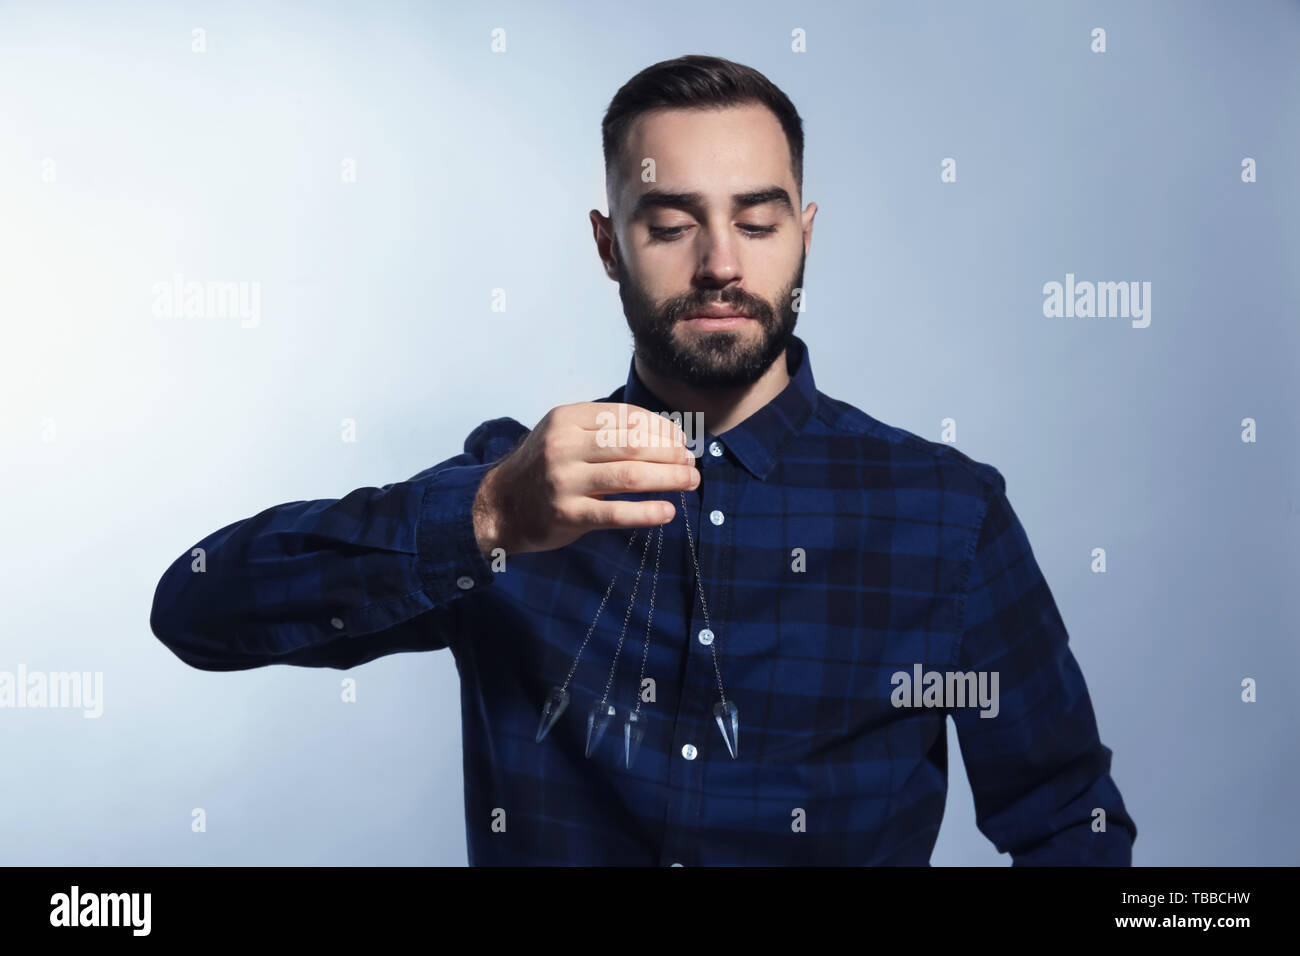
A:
(449, 561)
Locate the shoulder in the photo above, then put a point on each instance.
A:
(495, 438)
(906, 453)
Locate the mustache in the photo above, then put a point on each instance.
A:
(681, 310)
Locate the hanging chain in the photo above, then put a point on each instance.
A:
(704, 606)
(713, 645)
(631, 601)
(650, 614)
(581, 647)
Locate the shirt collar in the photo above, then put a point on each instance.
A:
(758, 440)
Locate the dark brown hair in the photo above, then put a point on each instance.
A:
(698, 82)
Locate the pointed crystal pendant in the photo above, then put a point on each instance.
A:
(728, 719)
(556, 701)
(597, 721)
(633, 734)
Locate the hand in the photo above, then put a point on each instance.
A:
(549, 491)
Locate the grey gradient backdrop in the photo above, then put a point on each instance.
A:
(476, 171)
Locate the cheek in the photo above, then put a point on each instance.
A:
(663, 275)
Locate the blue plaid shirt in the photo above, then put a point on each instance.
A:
(836, 553)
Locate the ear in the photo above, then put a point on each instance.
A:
(602, 231)
(808, 214)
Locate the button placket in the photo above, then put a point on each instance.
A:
(699, 704)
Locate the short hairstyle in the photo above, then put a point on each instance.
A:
(698, 82)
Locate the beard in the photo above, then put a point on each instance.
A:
(715, 359)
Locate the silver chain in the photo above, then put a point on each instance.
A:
(595, 618)
(613, 665)
(650, 614)
(704, 606)
(713, 645)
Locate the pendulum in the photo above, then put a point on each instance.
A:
(633, 729)
(724, 711)
(602, 712)
(558, 699)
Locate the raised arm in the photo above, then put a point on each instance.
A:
(335, 582)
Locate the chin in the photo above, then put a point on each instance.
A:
(749, 333)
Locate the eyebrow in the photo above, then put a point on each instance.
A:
(694, 202)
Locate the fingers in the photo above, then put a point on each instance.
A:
(564, 445)
(628, 425)
(596, 415)
(621, 477)
(597, 515)
(620, 432)
(594, 451)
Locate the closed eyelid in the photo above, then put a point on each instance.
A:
(750, 230)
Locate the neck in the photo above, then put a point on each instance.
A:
(723, 408)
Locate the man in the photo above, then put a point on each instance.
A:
(835, 589)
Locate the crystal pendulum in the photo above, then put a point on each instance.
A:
(558, 699)
(633, 727)
(728, 718)
(597, 722)
(602, 712)
(724, 711)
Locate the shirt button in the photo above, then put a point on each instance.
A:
(716, 517)
(336, 623)
(706, 637)
(464, 582)
(715, 449)
(688, 752)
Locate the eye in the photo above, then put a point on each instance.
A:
(669, 233)
(666, 233)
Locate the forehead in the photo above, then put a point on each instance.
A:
(713, 151)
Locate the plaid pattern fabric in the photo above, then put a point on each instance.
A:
(836, 552)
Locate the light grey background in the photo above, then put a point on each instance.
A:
(476, 171)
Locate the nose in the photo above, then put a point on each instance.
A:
(719, 264)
